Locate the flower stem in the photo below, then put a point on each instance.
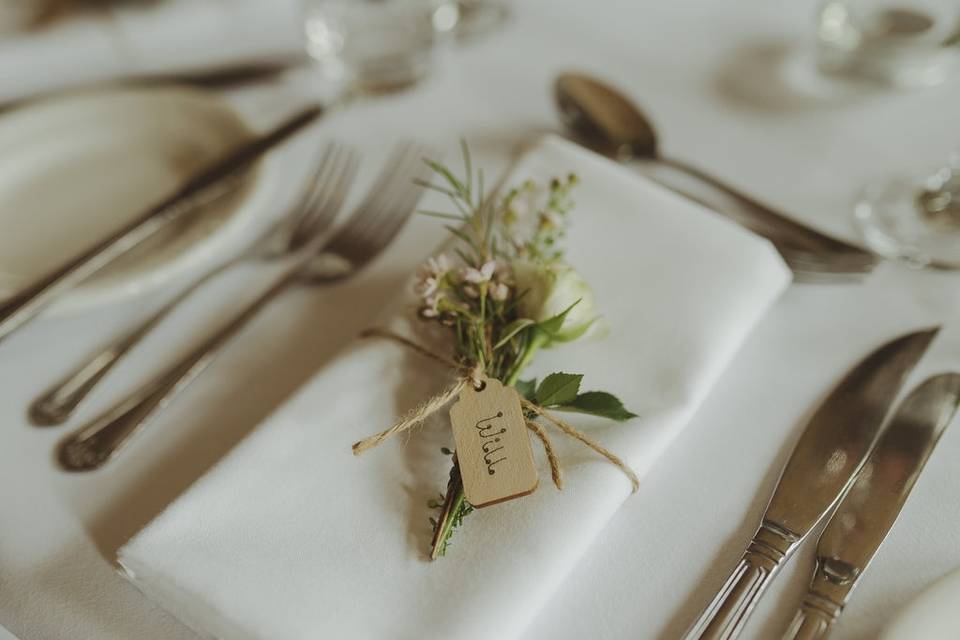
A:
(537, 341)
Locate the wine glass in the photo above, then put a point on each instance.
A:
(376, 45)
(916, 219)
(901, 43)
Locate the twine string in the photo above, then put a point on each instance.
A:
(548, 449)
(414, 418)
(474, 375)
(582, 437)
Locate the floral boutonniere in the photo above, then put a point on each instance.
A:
(503, 291)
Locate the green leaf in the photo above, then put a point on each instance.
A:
(513, 329)
(599, 403)
(558, 389)
(447, 175)
(463, 256)
(551, 326)
(527, 389)
(461, 236)
(440, 214)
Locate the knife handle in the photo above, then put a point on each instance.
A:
(725, 617)
(823, 604)
(809, 624)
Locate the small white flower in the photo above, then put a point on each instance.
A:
(481, 275)
(431, 307)
(427, 287)
(438, 266)
(432, 274)
(499, 291)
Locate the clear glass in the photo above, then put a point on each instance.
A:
(376, 45)
(906, 43)
(479, 17)
(915, 219)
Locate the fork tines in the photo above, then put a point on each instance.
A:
(387, 206)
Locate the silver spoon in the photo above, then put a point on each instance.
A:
(605, 120)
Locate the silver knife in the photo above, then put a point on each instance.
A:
(821, 468)
(872, 505)
(204, 187)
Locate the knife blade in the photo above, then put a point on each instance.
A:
(872, 505)
(821, 468)
(209, 183)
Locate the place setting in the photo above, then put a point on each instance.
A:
(529, 333)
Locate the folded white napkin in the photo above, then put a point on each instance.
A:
(163, 38)
(291, 536)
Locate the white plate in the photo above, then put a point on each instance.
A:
(934, 615)
(74, 169)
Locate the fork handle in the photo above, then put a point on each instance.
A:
(59, 402)
(726, 616)
(95, 443)
(56, 405)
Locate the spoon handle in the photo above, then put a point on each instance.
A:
(97, 442)
(805, 236)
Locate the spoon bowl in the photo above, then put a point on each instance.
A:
(604, 119)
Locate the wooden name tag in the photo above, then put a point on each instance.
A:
(493, 446)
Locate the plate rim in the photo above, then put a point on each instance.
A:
(196, 254)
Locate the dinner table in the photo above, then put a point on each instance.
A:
(732, 88)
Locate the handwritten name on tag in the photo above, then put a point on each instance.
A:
(493, 446)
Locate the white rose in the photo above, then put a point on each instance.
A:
(548, 290)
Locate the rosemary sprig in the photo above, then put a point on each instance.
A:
(453, 510)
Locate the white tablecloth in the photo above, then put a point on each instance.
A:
(708, 74)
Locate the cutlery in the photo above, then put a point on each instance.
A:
(374, 224)
(605, 120)
(93, 444)
(811, 267)
(282, 238)
(824, 462)
(871, 506)
(206, 186)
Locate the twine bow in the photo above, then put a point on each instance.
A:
(473, 375)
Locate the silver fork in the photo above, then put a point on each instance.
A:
(303, 220)
(374, 224)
